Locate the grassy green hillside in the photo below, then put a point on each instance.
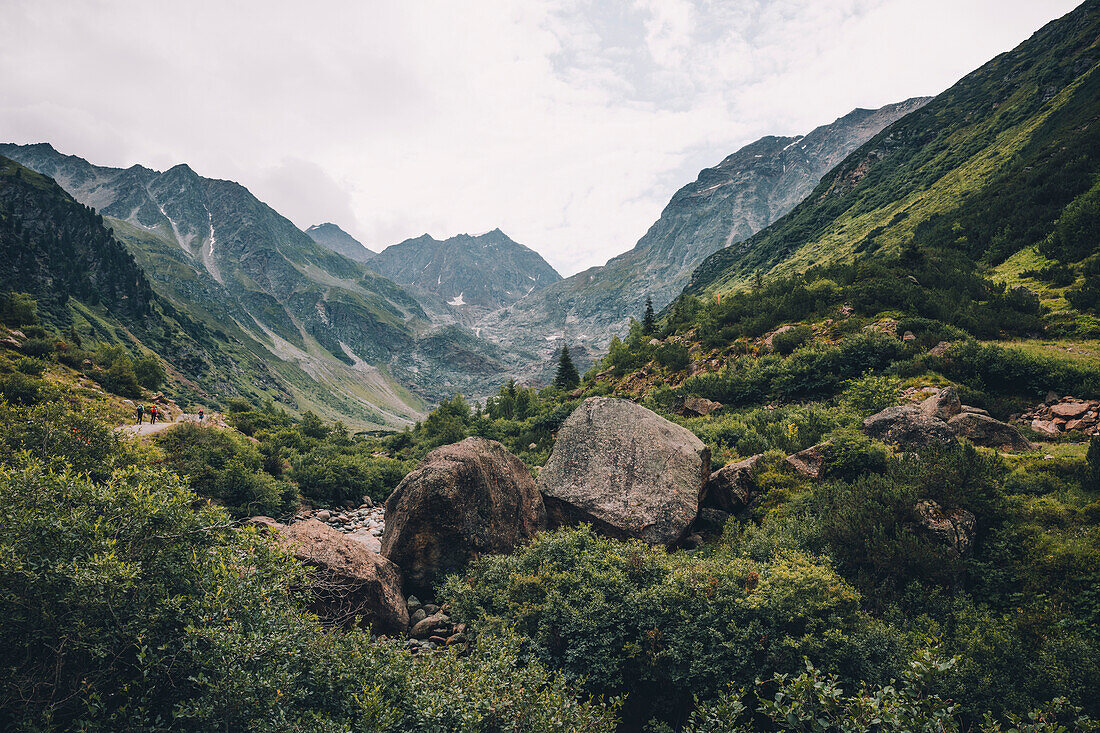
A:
(983, 171)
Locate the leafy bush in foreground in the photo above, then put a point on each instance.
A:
(123, 608)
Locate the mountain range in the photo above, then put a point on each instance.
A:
(373, 338)
(744, 193)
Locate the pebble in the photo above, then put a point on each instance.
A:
(367, 518)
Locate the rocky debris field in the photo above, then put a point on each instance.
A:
(1062, 415)
(364, 524)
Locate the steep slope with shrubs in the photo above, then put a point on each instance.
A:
(1005, 160)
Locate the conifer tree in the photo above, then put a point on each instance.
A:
(649, 321)
(567, 376)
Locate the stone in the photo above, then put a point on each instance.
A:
(944, 404)
(940, 349)
(810, 462)
(1052, 397)
(1045, 427)
(975, 410)
(1069, 410)
(324, 515)
(264, 523)
(782, 329)
(909, 337)
(711, 521)
(731, 487)
(955, 528)
(417, 616)
(627, 471)
(698, 407)
(350, 580)
(907, 427)
(984, 430)
(431, 608)
(427, 627)
(462, 500)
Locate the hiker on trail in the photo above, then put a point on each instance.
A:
(140, 413)
(200, 415)
(152, 414)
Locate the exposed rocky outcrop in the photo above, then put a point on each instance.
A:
(908, 427)
(627, 471)
(938, 420)
(463, 499)
(1065, 414)
(954, 528)
(731, 487)
(350, 580)
(810, 462)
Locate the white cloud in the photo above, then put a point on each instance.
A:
(567, 124)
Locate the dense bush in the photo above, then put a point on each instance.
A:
(787, 341)
(124, 608)
(621, 617)
(326, 475)
(1012, 371)
(227, 468)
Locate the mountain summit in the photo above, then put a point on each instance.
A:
(483, 272)
(332, 237)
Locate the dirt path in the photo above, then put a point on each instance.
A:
(146, 428)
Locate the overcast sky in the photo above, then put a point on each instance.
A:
(567, 124)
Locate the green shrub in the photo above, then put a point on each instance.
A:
(786, 342)
(149, 372)
(850, 455)
(622, 617)
(122, 607)
(227, 468)
(58, 436)
(870, 393)
(31, 367)
(18, 309)
(329, 476)
(21, 389)
(37, 347)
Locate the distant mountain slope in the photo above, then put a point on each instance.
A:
(483, 272)
(332, 237)
(744, 193)
(348, 341)
(984, 169)
(60, 252)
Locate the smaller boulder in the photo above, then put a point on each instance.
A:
(698, 407)
(430, 625)
(350, 580)
(1045, 427)
(731, 487)
(944, 404)
(907, 427)
(810, 462)
(954, 528)
(1069, 410)
(984, 430)
(940, 349)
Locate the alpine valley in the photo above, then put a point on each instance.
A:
(820, 453)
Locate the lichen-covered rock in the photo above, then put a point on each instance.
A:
(349, 580)
(698, 407)
(944, 404)
(810, 462)
(954, 528)
(627, 471)
(463, 499)
(907, 427)
(731, 487)
(984, 430)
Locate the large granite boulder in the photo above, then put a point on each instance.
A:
(984, 430)
(627, 471)
(463, 499)
(349, 580)
(907, 427)
(731, 487)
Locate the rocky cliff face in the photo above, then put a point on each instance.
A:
(744, 193)
(332, 237)
(471, 275)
